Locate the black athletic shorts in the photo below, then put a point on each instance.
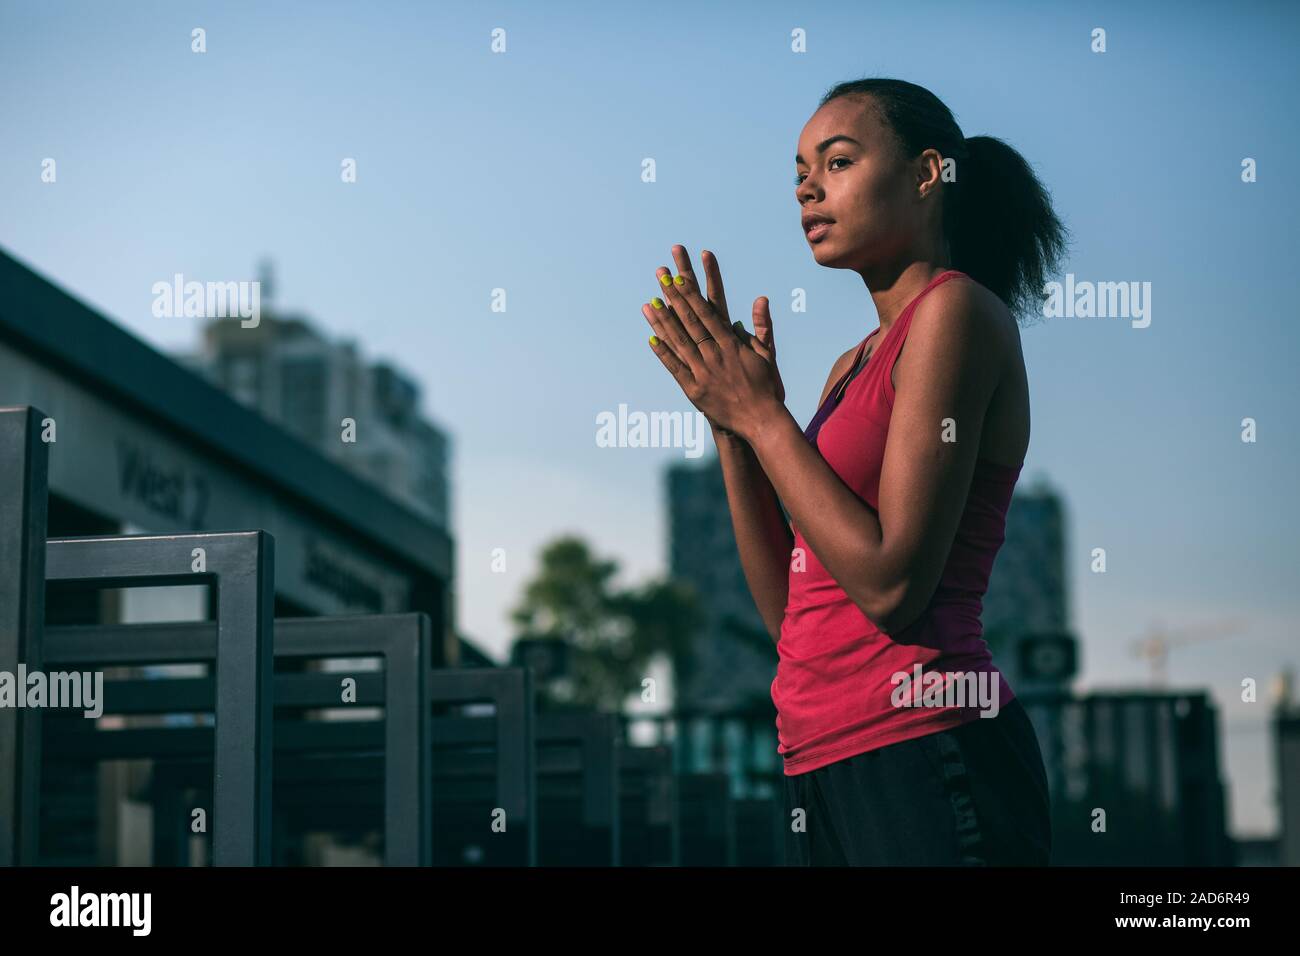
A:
(975, 795)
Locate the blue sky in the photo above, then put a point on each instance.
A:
(522, 171)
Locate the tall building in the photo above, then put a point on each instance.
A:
(146, 445)
(1286, 732)
(734, 659)
(1026, 607)
(292, 375)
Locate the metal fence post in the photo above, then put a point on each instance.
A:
(24, 470)
(240, 565)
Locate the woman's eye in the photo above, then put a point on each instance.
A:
(838, 159)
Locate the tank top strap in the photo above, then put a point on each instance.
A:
(894, 346)
(853, 367)
(904, 320)
(883, 355)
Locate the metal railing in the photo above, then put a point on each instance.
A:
(559, 789)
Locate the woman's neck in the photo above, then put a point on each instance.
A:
(892, 290)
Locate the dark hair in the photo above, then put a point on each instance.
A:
(998, 218)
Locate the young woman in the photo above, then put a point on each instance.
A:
(902, 742)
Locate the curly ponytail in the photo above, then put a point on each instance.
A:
(998, 218)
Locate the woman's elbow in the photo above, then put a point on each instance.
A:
(887, 608)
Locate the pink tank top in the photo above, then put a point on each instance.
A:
(835, 690)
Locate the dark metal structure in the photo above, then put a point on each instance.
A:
(565, 765)
(402, 690)
(507, 738)
(24, 470)
(238, 567)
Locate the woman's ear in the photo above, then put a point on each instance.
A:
(929, 172)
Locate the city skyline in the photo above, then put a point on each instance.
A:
(536, 183)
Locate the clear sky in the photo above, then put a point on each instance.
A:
(522, 171)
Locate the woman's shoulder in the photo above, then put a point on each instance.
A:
(963, 305)
(960, 321)
(961, 292)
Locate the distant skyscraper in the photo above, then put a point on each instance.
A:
(294, 376)
(1286, 735)
(1027, 596)
(734, 659)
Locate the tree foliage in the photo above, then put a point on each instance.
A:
(610, 634)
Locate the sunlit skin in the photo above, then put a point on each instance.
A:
(962, 344)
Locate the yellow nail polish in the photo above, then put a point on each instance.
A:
(657, 302)
(679, 280)
(654, 340)
(665, 279)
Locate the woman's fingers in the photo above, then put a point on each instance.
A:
(763, 323)
(672, 328)
(683, 260)
(668, 333)
(698, 316)
(676, 367)
(763, 352)
(684, 320)
(713, 276)
(652, 316)
(683, 329)
(751, 340)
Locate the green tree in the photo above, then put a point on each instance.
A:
(608, 635)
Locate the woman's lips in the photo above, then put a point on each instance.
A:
(818, 231)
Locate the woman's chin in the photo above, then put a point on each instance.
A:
(823, 254)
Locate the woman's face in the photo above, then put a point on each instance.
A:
(862, 183)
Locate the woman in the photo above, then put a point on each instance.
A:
(902, 742)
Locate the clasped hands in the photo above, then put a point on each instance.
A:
(727, 373)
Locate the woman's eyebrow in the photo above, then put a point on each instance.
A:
(821, 147)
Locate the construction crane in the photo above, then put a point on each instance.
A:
(1156, 644)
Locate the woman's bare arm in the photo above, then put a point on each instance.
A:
(763, 537)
